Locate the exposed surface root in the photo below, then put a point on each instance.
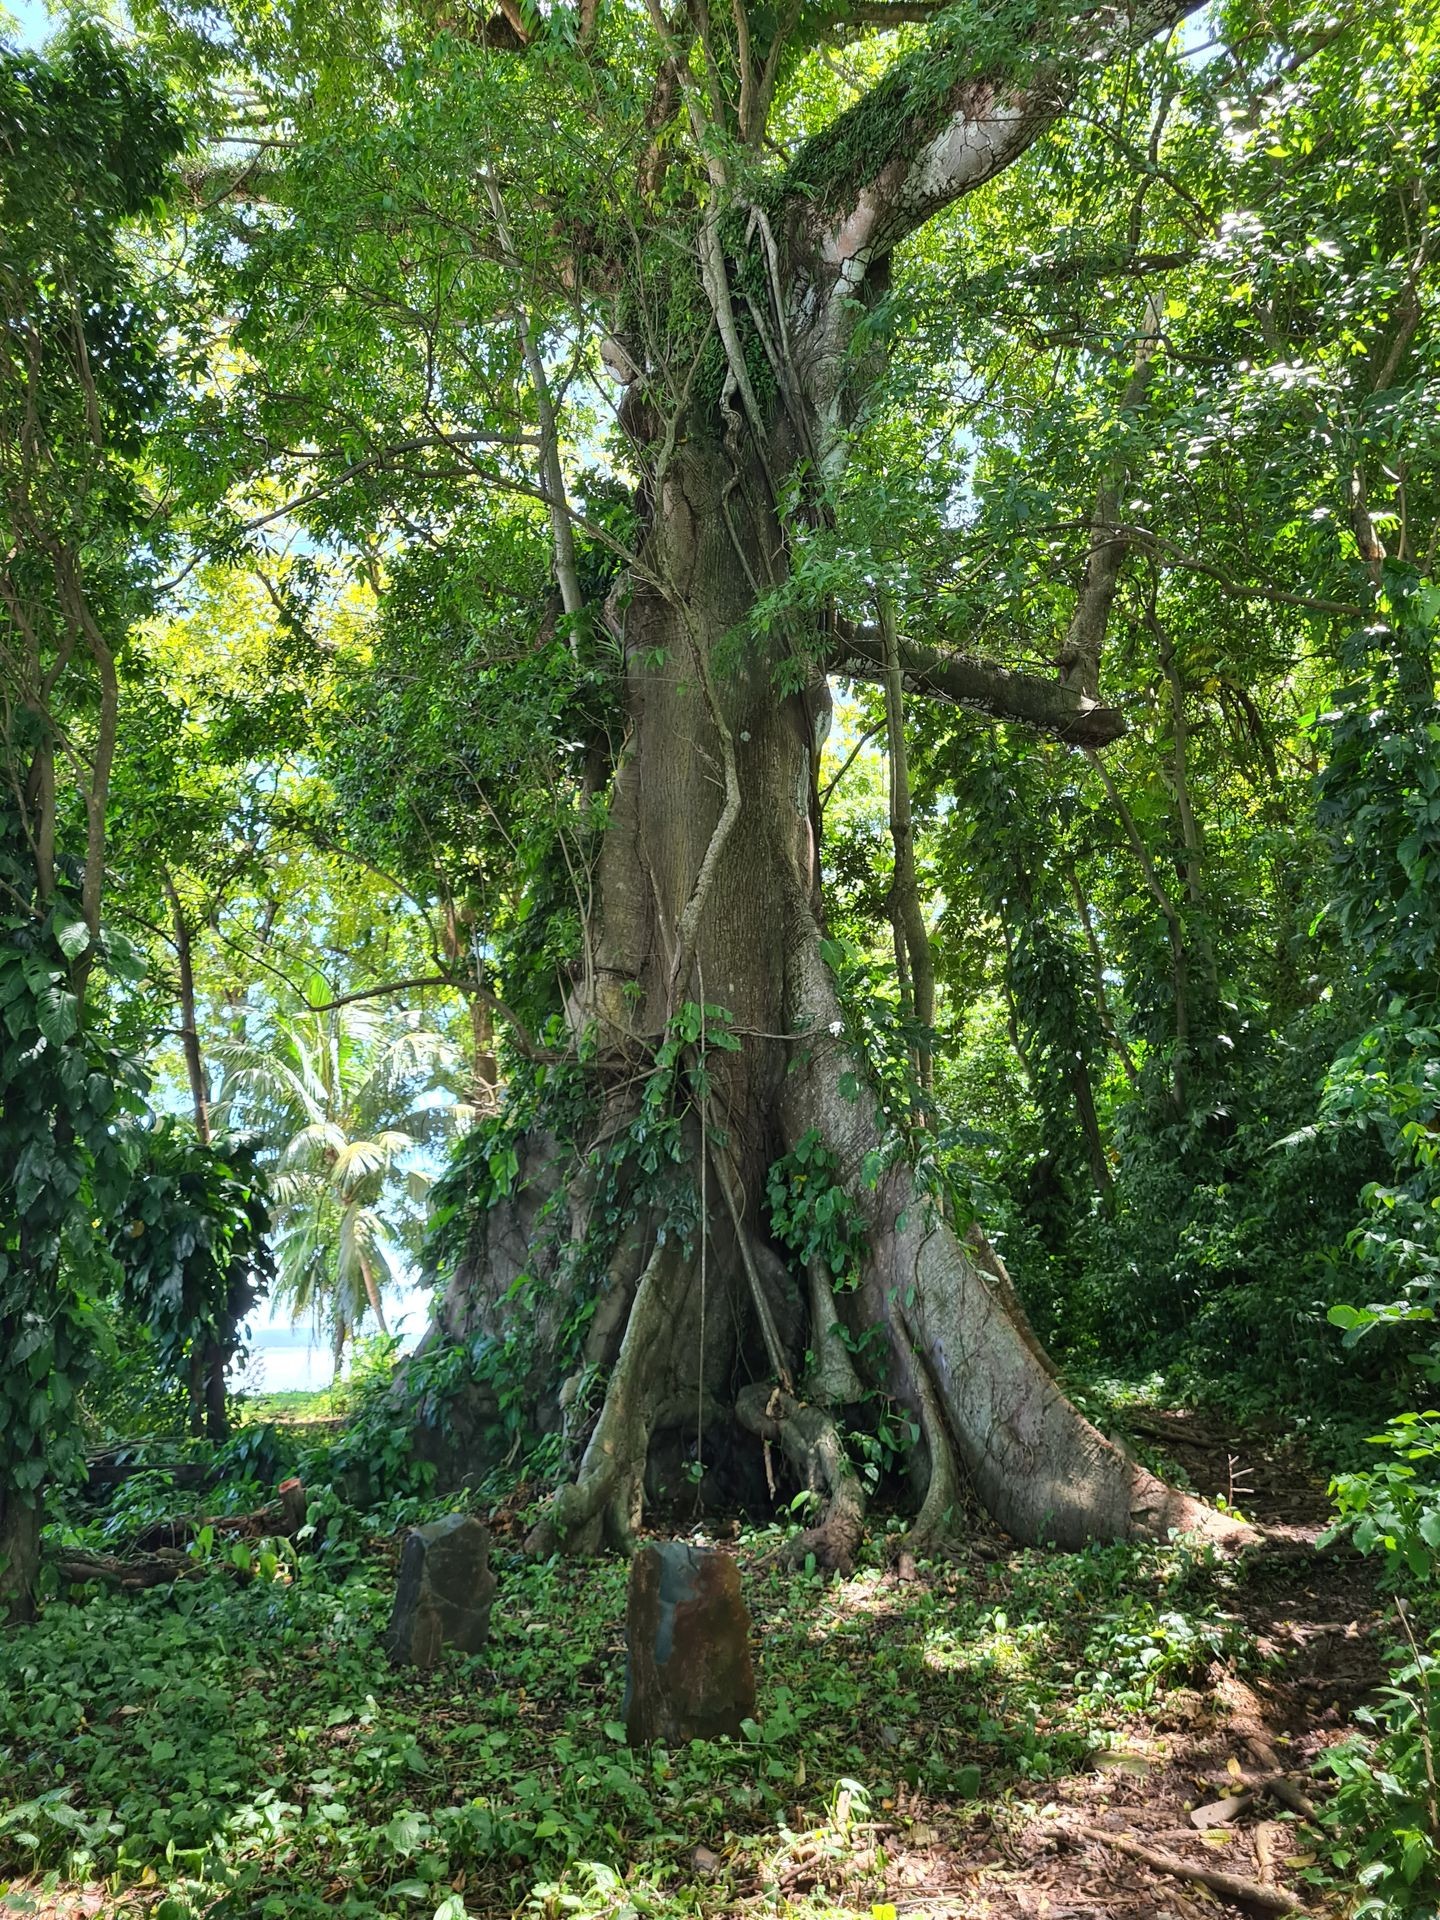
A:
(811, 1442)
(833, 1382)
(1252, 1893)
(941, 1504)
(1036, 1464)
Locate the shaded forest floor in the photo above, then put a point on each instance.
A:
(925, 1743)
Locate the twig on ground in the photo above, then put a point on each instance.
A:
(1274, 1781)
(1266, 1836)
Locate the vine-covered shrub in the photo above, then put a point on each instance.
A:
(194, 1255)
(1380, 804)
(1379, 801)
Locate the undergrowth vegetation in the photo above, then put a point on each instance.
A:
(246, 1749)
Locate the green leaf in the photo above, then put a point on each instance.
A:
(72, 936)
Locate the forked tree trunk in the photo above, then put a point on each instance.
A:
(731, 886)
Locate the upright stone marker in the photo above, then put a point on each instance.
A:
(690, 1676)
(443, 1595)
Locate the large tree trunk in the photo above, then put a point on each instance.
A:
(708, 892)
(707, 886)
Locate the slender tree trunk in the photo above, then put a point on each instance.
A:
(1076, 1071)
(1083, 1095)
(195, 1393)
(19, 1557)
(456, 934)
(209, 1390)
(217, 1415)
(1194, 862)
(1097, 969)
(195, 1072)
(914, 960)
(484, 1069)
(1174, 926)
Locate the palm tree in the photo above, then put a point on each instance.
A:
(345, 1101)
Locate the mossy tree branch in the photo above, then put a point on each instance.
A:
(950, 115)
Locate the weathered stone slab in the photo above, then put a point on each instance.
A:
(444, 1591)
(690, 1675)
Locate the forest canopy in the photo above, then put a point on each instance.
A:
(746, 692)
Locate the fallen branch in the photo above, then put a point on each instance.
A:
(1233, 1885)
(281, 1518)
(135, 1574)
(157, 1557)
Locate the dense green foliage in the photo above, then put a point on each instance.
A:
(67, 1163)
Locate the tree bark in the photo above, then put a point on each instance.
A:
(189, 1030)
(19, 1557)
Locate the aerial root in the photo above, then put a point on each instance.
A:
(602, 1505)
(811, 1442)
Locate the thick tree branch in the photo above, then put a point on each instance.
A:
(998, 691)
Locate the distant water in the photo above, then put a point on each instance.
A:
(290, 1359)
(284, 1362)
